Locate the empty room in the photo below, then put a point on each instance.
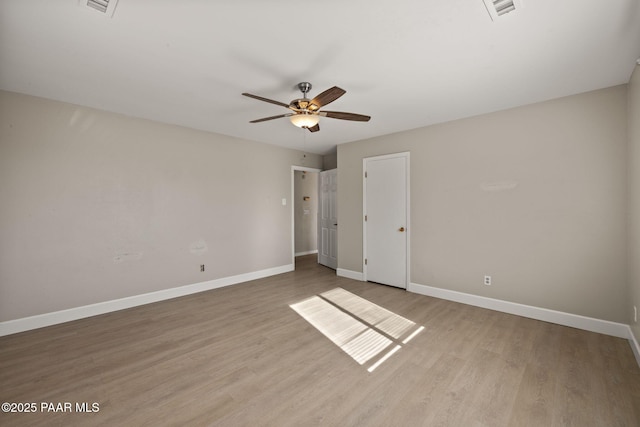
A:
(409, 213)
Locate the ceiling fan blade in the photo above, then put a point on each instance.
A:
(326, 97)
(271, 101)
(315, 128)
(345, 116)
(271, 118)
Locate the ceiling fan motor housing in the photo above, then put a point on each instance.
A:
(300, 104)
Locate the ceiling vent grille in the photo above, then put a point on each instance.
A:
(497, 8)
(103, 6)
(99, 5)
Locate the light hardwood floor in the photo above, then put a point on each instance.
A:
(240, 356)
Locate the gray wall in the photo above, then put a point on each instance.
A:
(557, 239)
(98, 206)
(634, 199)
(305, 211)
(330, 161)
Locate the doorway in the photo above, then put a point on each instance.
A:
(304, 209)
(386, 219)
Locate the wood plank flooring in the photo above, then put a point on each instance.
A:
(240, 356)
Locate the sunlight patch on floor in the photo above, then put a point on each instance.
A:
(352, 336)
(359, 327)
(410, 337)
(383, 319)
(384, 358)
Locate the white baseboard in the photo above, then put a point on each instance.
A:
(33, 322)
(355, 275)
(306, 253)
(606, 327)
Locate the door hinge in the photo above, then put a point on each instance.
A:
(365, 174)
(365, 261)
(365, 218)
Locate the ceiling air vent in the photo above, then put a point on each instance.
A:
(497, 8)
(100, 5)
(103, 6)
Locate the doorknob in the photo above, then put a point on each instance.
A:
(401, 229)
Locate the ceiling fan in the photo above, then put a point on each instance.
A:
(306, 112)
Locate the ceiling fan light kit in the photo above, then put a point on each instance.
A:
(306, 112)
(305, 120)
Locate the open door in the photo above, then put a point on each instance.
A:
(328, 219)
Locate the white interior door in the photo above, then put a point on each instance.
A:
(386, 219)
(328, 219)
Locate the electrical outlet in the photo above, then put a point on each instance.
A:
(487, 280)
(201, 267)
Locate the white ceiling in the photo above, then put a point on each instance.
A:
(406, 63)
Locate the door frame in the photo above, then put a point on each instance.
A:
(365, 160)
(293, 213)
